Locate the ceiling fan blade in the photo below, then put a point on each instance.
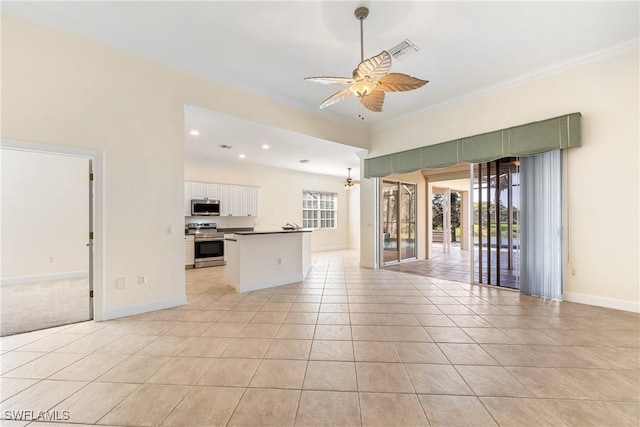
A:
(374, 67)
(336, 97)
(331, 80)
(398, 82)
(373, 101)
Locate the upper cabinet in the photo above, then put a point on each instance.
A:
(235, 200)
(203, 190)
(225, 200)
(250, 200)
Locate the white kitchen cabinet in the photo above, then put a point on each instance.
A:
(198, 190)
(203, 190)
(189, 251)
(225, 200)
(248, 201)
(187, 199)
(212, 191)
(235, 200)
(244, 200)
(253, 201)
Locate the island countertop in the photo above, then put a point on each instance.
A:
(263, 259)
(251, 233)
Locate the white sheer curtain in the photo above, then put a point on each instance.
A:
(541, 225)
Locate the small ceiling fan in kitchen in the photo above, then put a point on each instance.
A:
(371, 78)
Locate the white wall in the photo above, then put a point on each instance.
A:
(45, 215)
(62, 90)
(603, 177)
(280, 198)
(353, 199)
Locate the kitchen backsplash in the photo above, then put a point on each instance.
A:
(225, 221)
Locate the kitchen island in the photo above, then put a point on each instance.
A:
(263, 259)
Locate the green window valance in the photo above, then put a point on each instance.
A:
(525, 140)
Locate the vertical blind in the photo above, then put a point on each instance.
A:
(541, 225)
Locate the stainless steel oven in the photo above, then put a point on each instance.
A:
(209, 245)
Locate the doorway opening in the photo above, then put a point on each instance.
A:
(446, 216)
(398, 221)
(448, 256)
(47, 240)
(496, 222)
(443, 235)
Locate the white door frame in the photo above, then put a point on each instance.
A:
(96, 159)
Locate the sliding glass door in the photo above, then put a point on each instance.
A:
(496, 194)
(398, 221)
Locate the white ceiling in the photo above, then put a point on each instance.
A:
(286, 148)
(267, 48)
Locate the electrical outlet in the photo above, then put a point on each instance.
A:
(279, 261)
(52, 259)
(121, 283)
(142, 280)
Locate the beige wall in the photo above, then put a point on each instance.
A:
(62, 90)
(280, 198)
(45, 215)
(602, 227)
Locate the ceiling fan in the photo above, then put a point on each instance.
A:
(371, 78)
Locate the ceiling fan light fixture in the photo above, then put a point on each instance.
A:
(349, 184)
(363, 88)
(371, 78)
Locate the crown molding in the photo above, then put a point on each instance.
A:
(538, 74)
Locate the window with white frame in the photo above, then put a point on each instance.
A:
(319, 210)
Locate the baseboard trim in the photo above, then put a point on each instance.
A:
(329, 249)
(364, 264)
(130, 310)
(618, 304)
(43, 277)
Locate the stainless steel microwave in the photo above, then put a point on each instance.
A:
(205, 207)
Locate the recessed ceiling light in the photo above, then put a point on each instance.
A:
(304, 161)
(242, 156)
(265, 146)
(194, 132)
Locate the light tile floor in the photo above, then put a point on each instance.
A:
(349, 346)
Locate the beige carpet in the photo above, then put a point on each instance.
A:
(39, 305)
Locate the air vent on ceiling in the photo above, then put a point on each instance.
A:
(404, 49)
(225, 146)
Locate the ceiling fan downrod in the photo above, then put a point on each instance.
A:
(361, 14)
